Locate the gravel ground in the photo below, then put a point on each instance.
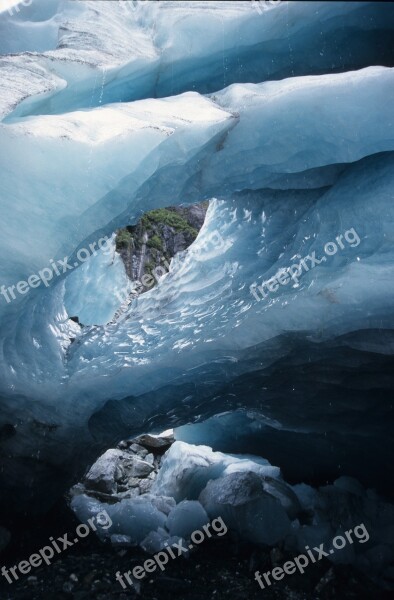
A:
(218, 570)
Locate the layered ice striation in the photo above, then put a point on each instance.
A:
(283, 120)
(79, 55)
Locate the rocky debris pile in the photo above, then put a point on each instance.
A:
(126, 471)
(157, 490)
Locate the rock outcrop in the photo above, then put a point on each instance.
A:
(157, 237)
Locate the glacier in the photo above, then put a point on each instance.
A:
(283, 120)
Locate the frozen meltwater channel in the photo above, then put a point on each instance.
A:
(284, 122)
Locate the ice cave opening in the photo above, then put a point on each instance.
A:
(129, 263)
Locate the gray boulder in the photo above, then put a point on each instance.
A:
(245, 507)
(116, 467)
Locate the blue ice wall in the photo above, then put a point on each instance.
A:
(284, 121)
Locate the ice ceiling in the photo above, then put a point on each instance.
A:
(283, 119)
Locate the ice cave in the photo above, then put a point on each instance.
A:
(248, 383)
